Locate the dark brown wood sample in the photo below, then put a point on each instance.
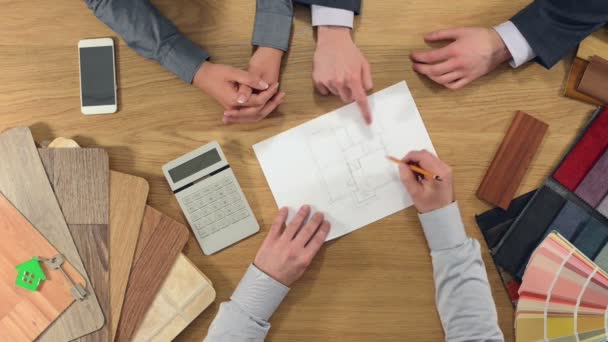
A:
(595, 79)
(24, 183)
(574, 78)
(80, 179)
(512, 160)
(161, 240)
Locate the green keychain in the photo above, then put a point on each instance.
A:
(30, 274)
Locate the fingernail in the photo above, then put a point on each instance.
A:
(229, 113)
(263, 84)
(241, 99)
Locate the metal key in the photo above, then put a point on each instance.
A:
(55, 263)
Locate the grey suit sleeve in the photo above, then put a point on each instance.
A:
(245, 317)
(554, 27)
(272, 27)
(462, 291)
(152, 35)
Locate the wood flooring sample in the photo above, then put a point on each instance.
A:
(24, 183)
(184, 295)
(80, 179)
(512, 160)
(128, 195)
(595, 79)
(594, 45)
(25, 314)
(161, 240)
(574, 78)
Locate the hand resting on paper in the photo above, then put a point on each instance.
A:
(427, 194)
(289, 249)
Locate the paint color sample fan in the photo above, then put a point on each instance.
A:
(563, 296)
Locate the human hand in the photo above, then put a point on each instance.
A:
(340, 68)
(288, 250)
(473, 52)
(428, 194)
(221, 82)
(265, 64)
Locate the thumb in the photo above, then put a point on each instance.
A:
(243, 95)
(246, 78)
(409, 180)
(447, 34)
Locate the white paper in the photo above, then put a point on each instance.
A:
(337, 164)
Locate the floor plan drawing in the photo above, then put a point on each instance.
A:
(337, 164)
(350, 165)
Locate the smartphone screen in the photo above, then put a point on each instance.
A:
(97, 76)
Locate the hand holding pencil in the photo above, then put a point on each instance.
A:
(427, 179)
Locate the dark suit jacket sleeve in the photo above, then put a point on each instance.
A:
(555, 27)
(351, 5)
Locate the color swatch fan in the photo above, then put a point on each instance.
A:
(563, 296)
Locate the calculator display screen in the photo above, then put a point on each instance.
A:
(194, 165)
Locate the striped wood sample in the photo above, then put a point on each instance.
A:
(185, 294)
(512, 160)
(80, 179)
(160, 242)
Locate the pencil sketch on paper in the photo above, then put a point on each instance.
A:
(350, 165)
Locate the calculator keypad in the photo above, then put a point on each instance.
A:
(215, 207)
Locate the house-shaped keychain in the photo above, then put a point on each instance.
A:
(30, 275)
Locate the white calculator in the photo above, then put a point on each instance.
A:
(211, 198)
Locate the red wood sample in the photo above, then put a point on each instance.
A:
(512, 160)
(161, 240)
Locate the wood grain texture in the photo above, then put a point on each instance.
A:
(128, 195)
(25, 314)
(374, 284)
(184, 295)
(80, 179)
(24, 183)
(595, 79)
(574, 79)
(160, 242)
(594, 45)
(512, 160)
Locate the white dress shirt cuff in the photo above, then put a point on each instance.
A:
(329, 16)
(518, 46)
(443, 227)
(258, 294)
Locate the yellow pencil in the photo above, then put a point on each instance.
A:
(416, 169)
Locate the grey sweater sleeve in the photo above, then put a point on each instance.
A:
(245, 317)
(152, 35)
(272, 27)
(462, 291)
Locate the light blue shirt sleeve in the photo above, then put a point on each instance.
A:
(245, 317)
(462, 291)
(518, 46)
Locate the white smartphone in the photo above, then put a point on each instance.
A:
(97, 76)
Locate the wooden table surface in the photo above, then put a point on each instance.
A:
(374, 284)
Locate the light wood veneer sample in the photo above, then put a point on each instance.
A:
(24, 183)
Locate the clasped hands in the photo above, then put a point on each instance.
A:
(249, 96)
